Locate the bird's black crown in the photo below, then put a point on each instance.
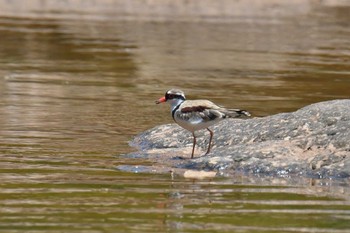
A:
(174, 94)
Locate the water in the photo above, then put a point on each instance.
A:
(74, 91)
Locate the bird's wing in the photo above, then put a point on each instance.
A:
(204, 109)
(208, 110)
(197, 105)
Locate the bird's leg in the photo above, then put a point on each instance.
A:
(211, 137)
(194, 144)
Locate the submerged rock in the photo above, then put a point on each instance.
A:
(313, 142)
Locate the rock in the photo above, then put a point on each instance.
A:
(198, 174)
(312, 142)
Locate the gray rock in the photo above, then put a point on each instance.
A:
(313, 142)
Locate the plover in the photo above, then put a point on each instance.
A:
(195, 115)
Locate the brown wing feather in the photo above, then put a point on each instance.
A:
(207, 110)
(198, 105)
(204, 109)
(193, 109)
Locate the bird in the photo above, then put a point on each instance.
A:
(194, 115)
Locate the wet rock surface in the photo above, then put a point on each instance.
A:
(311, 142)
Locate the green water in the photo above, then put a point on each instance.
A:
(73, 92)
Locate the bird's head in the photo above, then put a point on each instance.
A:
(172, 95)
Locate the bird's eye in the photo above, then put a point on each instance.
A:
(170, 96)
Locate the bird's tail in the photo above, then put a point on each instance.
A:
(232, 113)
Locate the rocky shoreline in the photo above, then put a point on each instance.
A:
(311, 142)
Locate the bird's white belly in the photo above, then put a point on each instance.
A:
(195, 123)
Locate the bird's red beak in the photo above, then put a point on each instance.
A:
(161, 100)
